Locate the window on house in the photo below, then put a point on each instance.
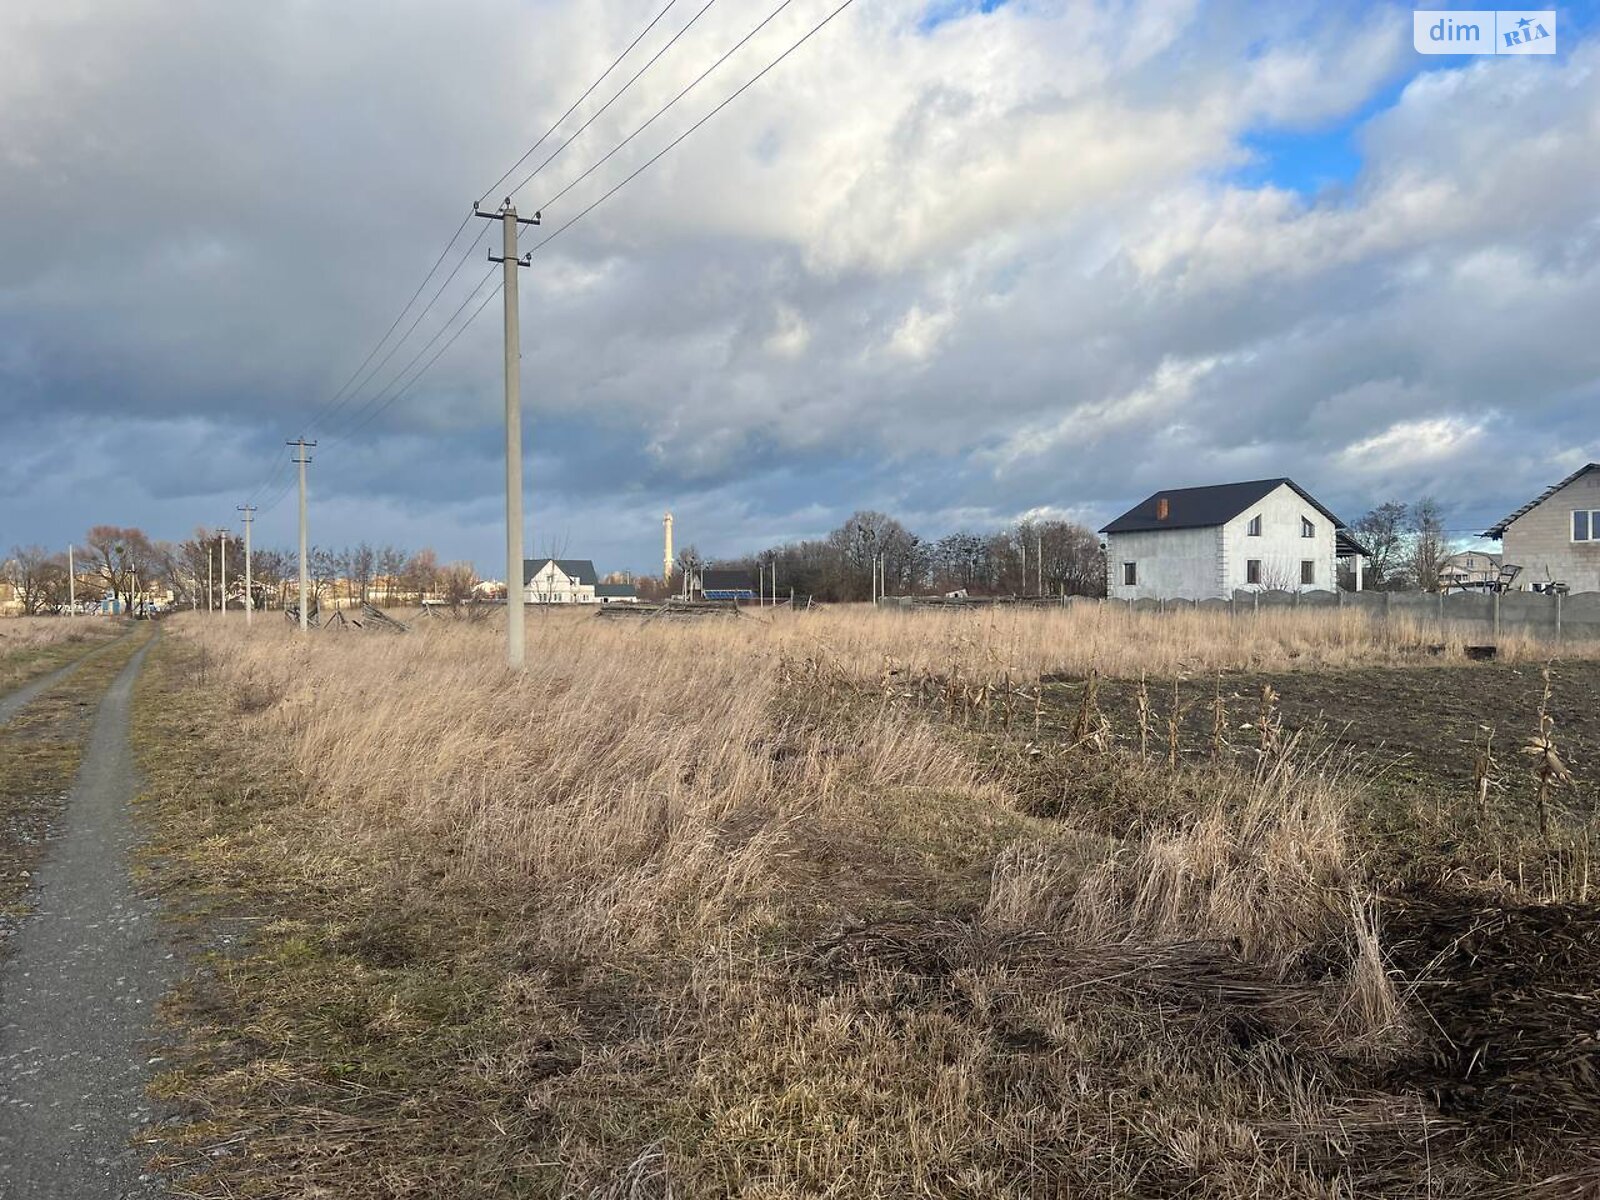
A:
(1252, 570)
(1586, 525)
(1254, 529)
(1130, 574)
(1307, 529)
(1308, 570)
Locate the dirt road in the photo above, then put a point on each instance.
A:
(79, 989)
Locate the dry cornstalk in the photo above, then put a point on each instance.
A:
(1548, 769)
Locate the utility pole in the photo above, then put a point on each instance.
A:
(211, 577)
(249, 511)
(300, 444)
(1022, 541)
(516, 653)
(1039, 558)
(72, 585)
(222, 557)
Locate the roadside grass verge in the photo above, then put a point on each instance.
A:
(703, 912)
(40, 748)
(34, 646)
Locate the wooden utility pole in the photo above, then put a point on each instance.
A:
(72, 585)
(222, 557)
(516, 653)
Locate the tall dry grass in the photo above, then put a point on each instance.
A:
(25, 633)
(820, 946)
(1025, 643)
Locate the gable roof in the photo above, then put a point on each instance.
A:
(1499, 530)
(1200, 507)
(615, 591)
(579, 570)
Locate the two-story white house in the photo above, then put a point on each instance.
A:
(558, 581)
(1202, 542)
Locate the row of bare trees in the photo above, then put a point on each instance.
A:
(113, 562)
(1042, 556)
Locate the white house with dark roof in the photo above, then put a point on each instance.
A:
(558, 581)
(1555, 537)
(1202, 542)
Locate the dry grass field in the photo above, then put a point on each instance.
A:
(851, 904)
(30, 646)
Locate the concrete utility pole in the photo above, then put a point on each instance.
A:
(249, 511)
(300, 444)
(516, 653)
(211, 580)
(72, 585)
(222, 557)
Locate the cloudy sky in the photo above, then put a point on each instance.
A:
(956, 262)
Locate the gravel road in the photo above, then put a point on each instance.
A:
(78, 992)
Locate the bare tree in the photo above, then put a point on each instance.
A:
(121, 558)
(1429, 545)
(1383, 532)
(363, 560)
(38, 577)
(391, 561)
(456, 583)
(421, 573)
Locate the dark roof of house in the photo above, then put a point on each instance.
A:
(615, 591)
(1199, 507)
(580, 570)
(1498, 530)
(727, 579)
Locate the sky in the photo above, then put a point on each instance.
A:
(962, 262)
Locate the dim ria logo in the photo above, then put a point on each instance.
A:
(1484, 31)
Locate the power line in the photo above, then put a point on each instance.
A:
(340, 398)
(602, 199)
(662, 153)
(426, 309)
(599, 112)
(511, 170)
(729, 53)
(364, 416)
(484, 303)
(334, 400)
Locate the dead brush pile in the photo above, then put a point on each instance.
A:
(715, 909)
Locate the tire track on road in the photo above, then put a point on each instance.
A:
(79, 988)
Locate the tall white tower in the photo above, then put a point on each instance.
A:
(666, 548)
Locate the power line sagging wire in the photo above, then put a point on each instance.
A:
(665, 150)
(660, 154)
(617, 95)
(494, 187)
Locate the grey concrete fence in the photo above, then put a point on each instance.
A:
(1471, 616)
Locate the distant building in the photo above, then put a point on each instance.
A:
(1555, 538)
(1469, 571)
(728, 583)
(616, 593)
(1202, 542)
(558, 581)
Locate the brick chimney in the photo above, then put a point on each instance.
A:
(1161, 508)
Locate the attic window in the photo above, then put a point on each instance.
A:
(1254, 529)
(1162, 509)
(1307, 529)
(1586, 525)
